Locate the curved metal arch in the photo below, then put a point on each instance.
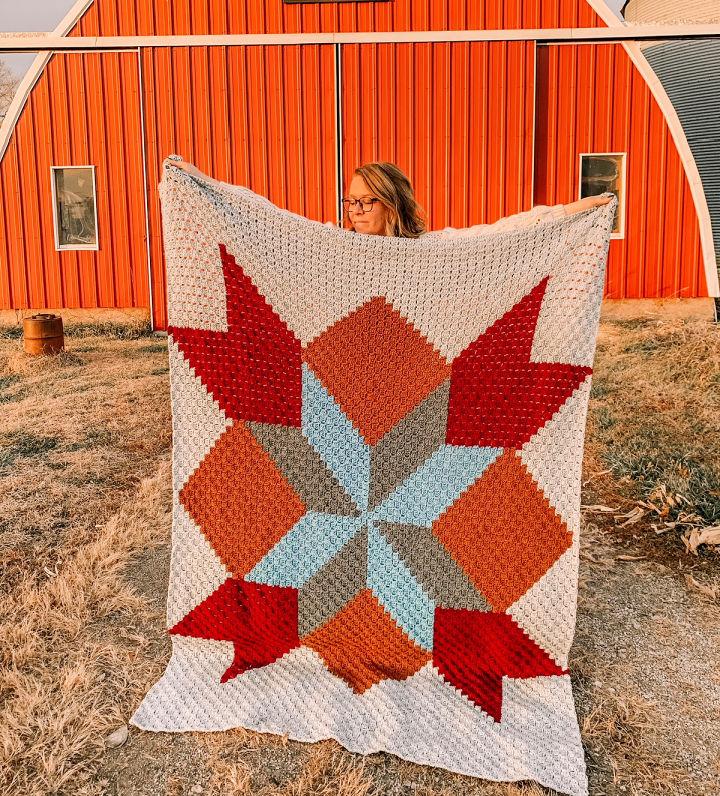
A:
(697, 189)
(32, 75)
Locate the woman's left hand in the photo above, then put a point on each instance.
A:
(586, 203)
(190, 168)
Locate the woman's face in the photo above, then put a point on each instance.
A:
(371, 222)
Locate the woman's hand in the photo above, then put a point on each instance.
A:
(194, 171)
(189, 168)
(586, 203)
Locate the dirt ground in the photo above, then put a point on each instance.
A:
(85, 499)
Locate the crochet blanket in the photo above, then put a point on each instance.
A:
(376, 468)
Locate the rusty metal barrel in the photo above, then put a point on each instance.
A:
(43, 334)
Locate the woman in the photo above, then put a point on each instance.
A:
(381, 201)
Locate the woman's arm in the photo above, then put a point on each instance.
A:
(589, 201)
(535, 215)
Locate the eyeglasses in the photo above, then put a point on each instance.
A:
(366, 203)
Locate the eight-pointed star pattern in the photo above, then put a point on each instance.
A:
(368, 499)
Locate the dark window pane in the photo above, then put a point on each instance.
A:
(75, 206)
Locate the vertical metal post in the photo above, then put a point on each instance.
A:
(534, 129)
(338, 132)
(145, 190)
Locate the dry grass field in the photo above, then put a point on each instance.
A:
(85, 499)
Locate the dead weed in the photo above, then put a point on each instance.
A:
(85, 490)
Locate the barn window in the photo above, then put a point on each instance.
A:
(74, 207)
(605, 171)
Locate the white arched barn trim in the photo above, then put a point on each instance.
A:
(33, 73)
(634, 51)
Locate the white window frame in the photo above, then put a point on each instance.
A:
(623, 186)
(74, 246)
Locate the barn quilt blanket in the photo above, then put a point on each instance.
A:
(376, 467)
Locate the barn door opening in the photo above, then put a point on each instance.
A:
(263, 116)
(456, 117)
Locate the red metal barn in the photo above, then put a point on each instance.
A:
(508, 111)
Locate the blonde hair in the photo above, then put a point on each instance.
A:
(404, 216)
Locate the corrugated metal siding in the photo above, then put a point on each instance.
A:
(84, 109)
(592, 99)
(183, 17)
(690, 74)
(260, 116)
(456, 118)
